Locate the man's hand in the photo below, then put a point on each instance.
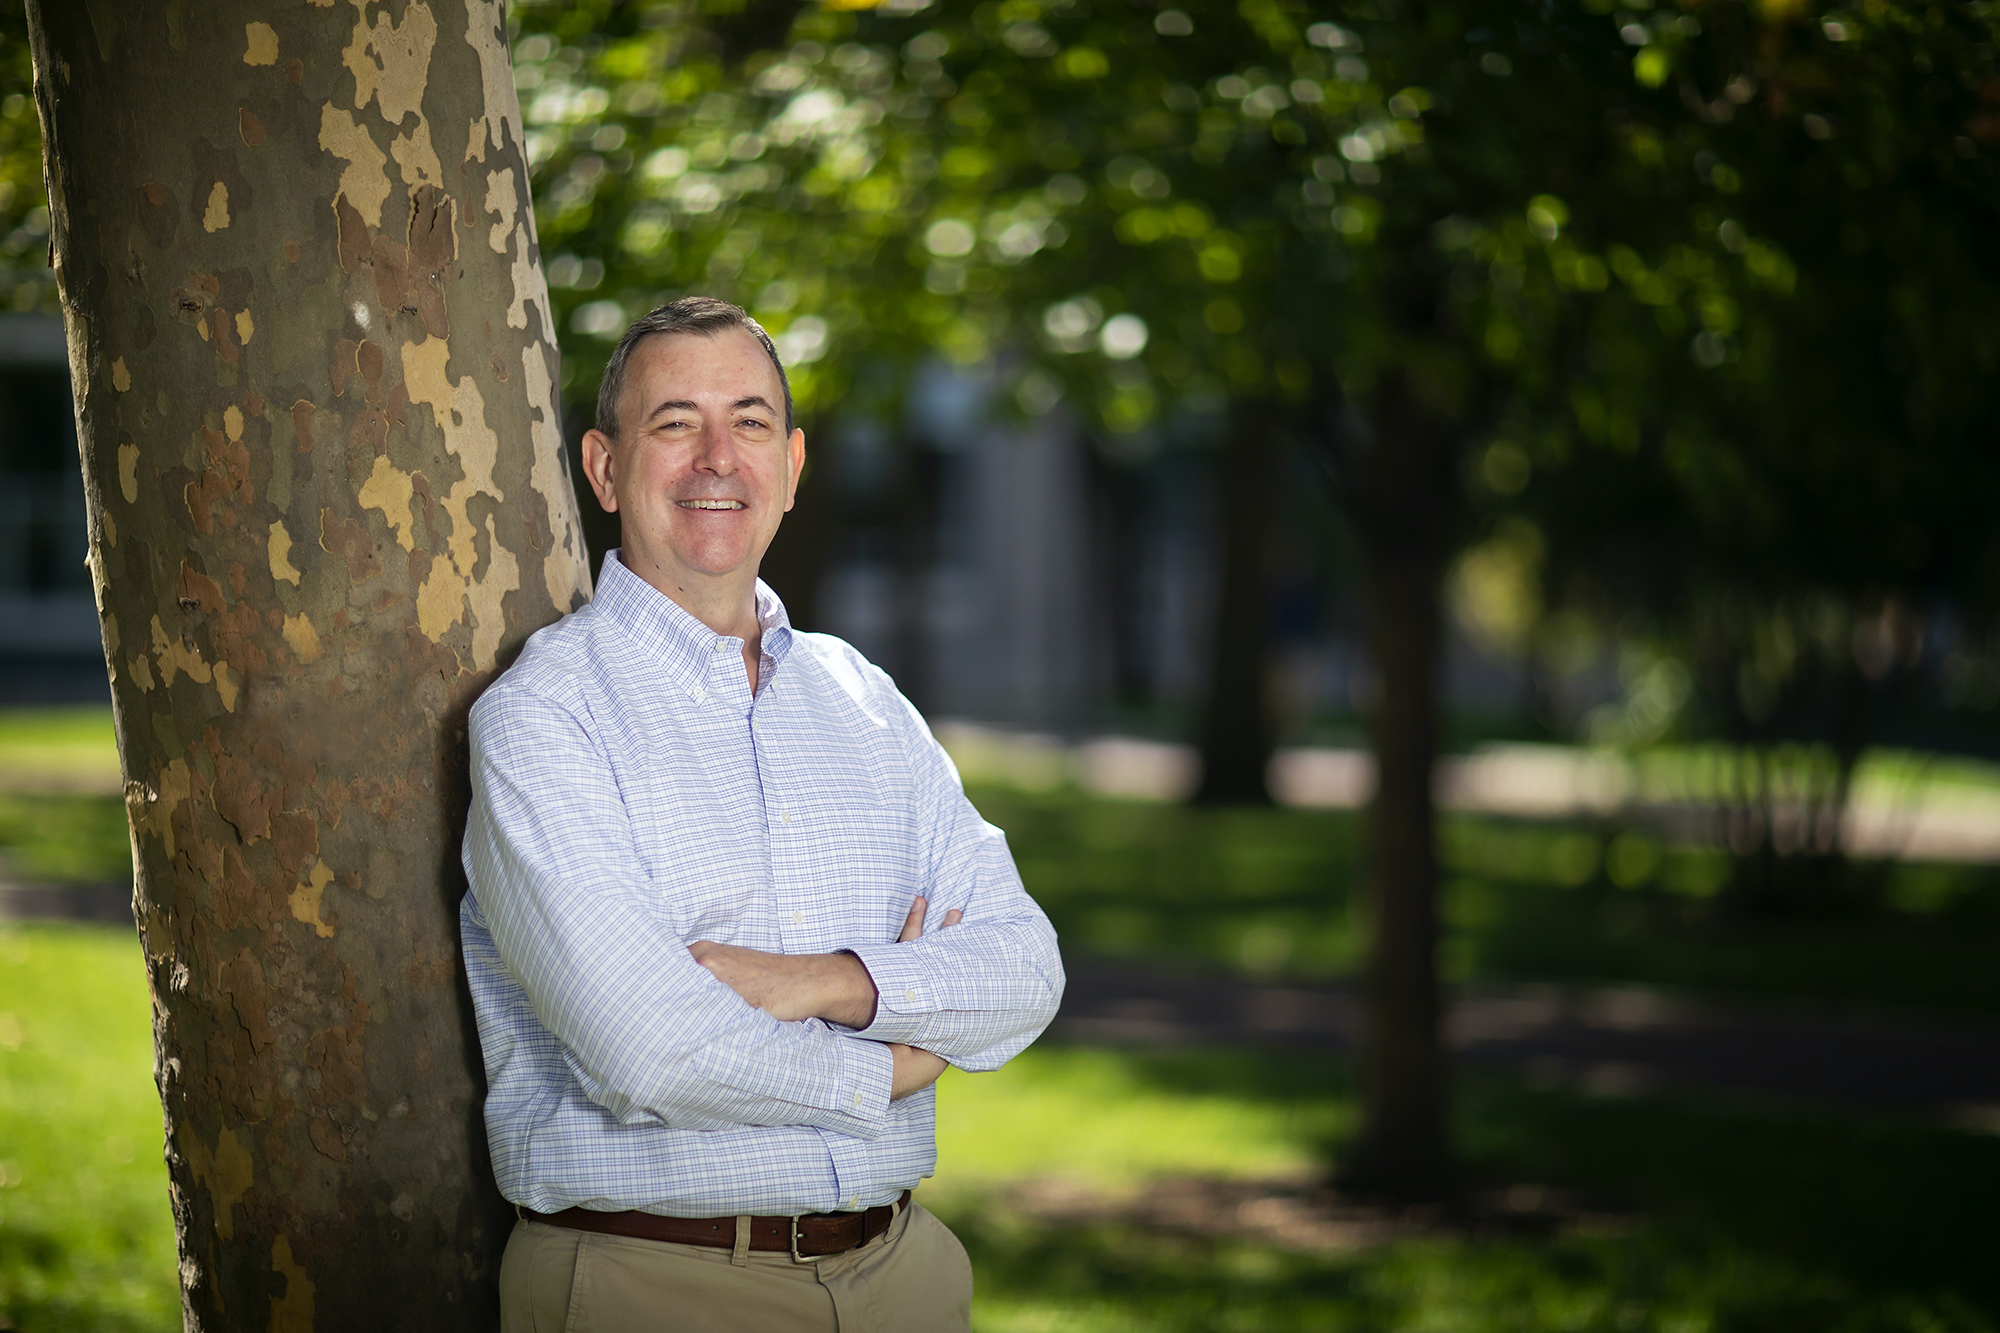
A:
(832, 986)
(915, 1070)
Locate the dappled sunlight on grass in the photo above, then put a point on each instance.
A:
(1271, 893)
(1103, 1119)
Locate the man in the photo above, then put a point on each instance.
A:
(730, 911)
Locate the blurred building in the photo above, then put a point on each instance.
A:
(50, 648)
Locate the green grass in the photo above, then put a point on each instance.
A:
(65, 744)
(49, 838)
(1743, 1219)
(86, 1237)
(60, 819)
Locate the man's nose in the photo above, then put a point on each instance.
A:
(715, 450)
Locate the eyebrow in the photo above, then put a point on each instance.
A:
(687, 405)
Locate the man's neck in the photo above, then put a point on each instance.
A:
(726, 604)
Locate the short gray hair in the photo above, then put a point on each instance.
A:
(702, 315)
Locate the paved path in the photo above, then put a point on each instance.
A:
(1608, 1040)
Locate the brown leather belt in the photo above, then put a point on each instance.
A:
(813, 1236)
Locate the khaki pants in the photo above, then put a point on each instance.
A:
(913, 1278)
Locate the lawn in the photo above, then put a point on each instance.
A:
(1064, 1171)
(1691, 1216)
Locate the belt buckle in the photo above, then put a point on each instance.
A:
(798, 1258)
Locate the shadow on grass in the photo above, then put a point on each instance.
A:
(42, 1290)
(1109, 1277)
(1745, 1216)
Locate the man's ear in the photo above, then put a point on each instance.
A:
(795, 464)
(597, 466)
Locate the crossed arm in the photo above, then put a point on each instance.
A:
(836, 987)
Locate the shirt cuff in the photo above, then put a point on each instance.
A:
(903, 1000)
(862, 1085)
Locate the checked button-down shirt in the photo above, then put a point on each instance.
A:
(632, 794)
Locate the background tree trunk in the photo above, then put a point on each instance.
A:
(1402, 506)
(315, 375)
(1236, 735)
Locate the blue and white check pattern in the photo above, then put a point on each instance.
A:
(631, 794)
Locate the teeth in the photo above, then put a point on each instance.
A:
(711, 504)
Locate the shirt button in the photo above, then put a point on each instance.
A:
(798, 918)
(785, 817)
(910, 997)
(857, 1099)
(721, 645)
(854, 1202)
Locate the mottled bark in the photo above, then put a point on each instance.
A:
(1236, 732)
(314, 374)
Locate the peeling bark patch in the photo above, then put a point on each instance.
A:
(296, 71)
(503, 575)
(196, 590)
(307, 897)
(500, 198)
(364, 182)
(249, 127)
(566, 576)
(326, 1138)
(245, 327)
(417, 159)
(128, 472)
(460, 412)
(121, 378)
(225, 345)
(433, 247)
(242, 981)
(260, 44)
(391, 64)
(352, 230)
(486, 33)
(343, 536)
(240, 798)
(279, 548)
(388, 489)
(216, 216)
(302, 425)
(292, 1312)
(178, 657)
(301, 638)
(226, 1171)
(156, 193)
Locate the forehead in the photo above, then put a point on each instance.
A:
(727, 365)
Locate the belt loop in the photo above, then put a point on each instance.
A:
(740, 1256)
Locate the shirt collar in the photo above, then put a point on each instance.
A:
(660, 626)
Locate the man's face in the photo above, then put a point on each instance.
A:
(702, 469)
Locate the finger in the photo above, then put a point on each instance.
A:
(952, 918)
(913, 924)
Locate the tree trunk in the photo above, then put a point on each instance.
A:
(1402, 505)
(314, 375)
(1403, 1146)
(1236, 724)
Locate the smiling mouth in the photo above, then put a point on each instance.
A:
(710, 504)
